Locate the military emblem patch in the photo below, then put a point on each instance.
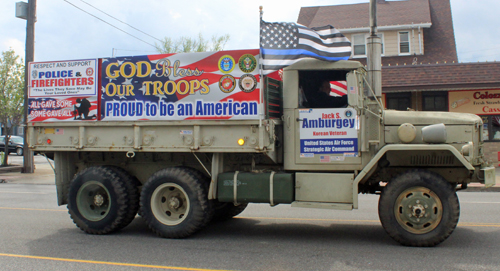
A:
(226, 64)
(247, 63)
(227, 83)
(248, 83)
(348, 113)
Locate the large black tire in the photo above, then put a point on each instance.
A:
(19, 151)
(132, 190)
(206, 183)
(227, 210)
(98, 200)
(419, 208)
(174, 203)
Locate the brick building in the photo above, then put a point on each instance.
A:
(420, 64)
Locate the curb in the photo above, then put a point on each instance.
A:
(481, 189)
(11, 168)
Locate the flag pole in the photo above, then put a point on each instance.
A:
(260, 70)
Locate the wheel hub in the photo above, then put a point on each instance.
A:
(93, 201)
(98, 200)
(418, 210)
(175, 202)
(170, 204)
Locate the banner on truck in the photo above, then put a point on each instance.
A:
(63, 90)
(328, 131)
(211, 85)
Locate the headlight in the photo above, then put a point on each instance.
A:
(467, 149)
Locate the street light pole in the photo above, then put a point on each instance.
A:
(28, 166)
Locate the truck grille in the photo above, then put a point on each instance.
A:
(435, 160)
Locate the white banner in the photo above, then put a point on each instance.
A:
(328, 131)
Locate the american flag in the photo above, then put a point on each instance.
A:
(324, 158)
(338, 88)
(283, 44)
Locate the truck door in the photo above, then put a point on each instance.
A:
(327, 138)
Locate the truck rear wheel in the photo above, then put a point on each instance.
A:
(132, 189)
(419, 208)
(98, 200)
(174, 203)
(227, 210)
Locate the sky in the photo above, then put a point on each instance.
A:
(65, 32)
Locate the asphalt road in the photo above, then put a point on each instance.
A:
(36, 234)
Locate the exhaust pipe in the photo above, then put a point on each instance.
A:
(374, 53)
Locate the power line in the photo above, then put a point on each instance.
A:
(124, 22)
(134, 50)
(108, 23)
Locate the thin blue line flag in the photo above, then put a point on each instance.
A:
(283, 44)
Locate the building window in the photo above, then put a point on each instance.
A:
(404, 43)
(359, 45)
(435, 101)
(491, 128)
(398, 101)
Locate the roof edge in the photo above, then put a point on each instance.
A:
(385, 28)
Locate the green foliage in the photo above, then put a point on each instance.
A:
(189, 45)
(11, 93)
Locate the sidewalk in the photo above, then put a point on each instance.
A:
(43, 175)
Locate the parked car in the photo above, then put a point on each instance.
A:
(16, 144)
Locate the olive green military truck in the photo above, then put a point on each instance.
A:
(181, 174)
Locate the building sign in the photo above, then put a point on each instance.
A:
(480, 102)
(210, 85)
(63, 90)
(328, 131)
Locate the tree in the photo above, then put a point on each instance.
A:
(189, 45)
(11, 95)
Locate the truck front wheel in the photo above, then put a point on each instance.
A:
(98, 200)
(419, 208)
(174, 203)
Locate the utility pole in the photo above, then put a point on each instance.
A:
(30, 56)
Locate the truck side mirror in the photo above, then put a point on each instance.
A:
(354, 90)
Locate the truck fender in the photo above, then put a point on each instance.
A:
(368, 169)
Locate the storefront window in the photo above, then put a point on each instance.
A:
(486, 134)
(491, 128)
(495, 127)
(398, 101)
